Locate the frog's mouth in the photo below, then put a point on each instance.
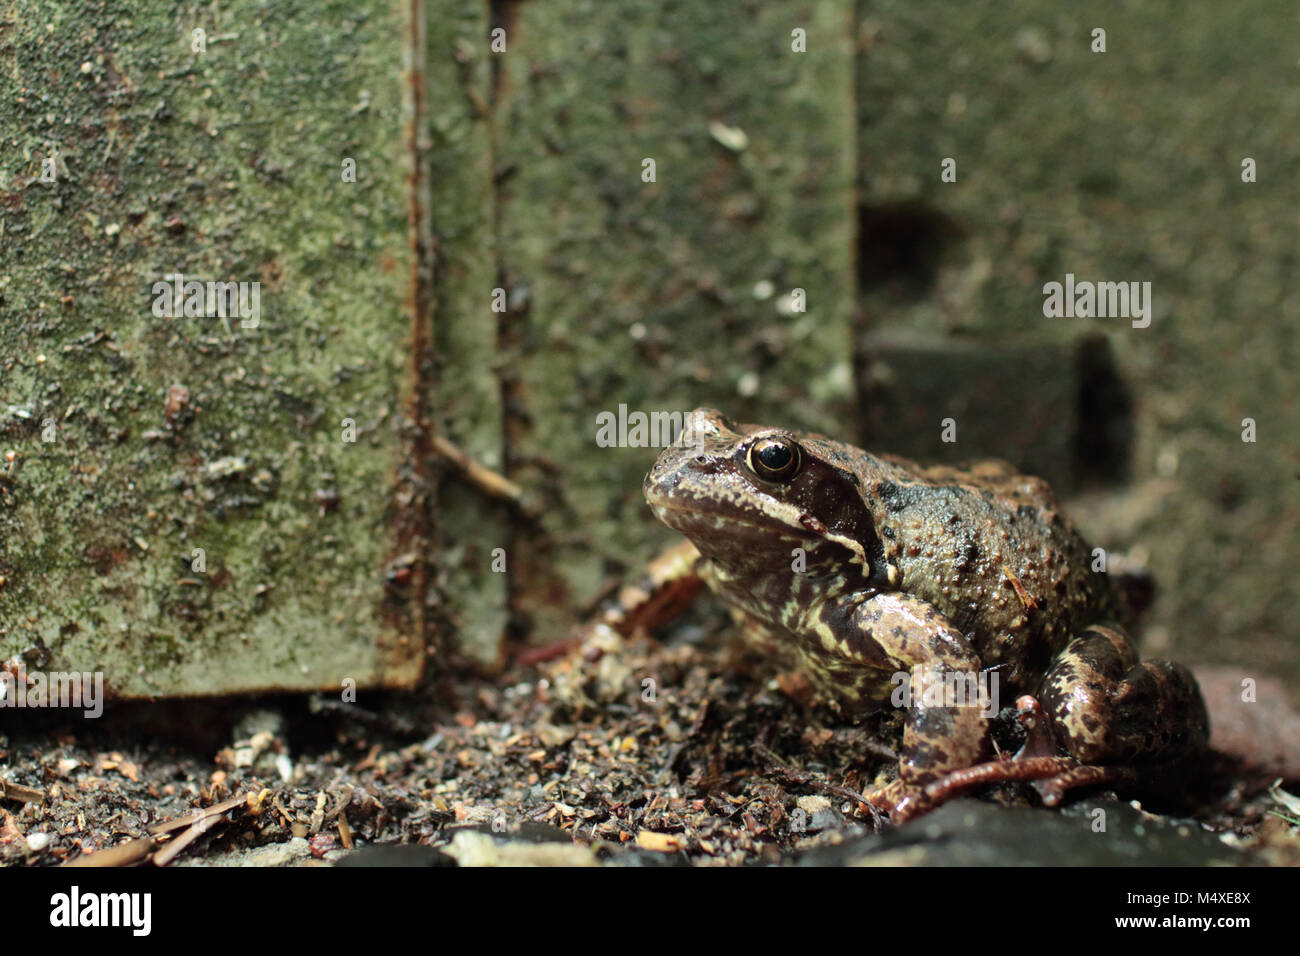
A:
(724, 525)
(757, 544)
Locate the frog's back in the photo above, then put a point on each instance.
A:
(989, 548)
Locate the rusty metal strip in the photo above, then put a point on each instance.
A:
(411, 545)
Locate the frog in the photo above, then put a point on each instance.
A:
(891, 584)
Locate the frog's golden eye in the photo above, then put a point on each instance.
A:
(774, 459)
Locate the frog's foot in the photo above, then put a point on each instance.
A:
(1054, 789)
(918, 800)
(1037, 760)
(901, 800)
(1052, 777)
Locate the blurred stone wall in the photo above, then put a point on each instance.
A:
(823, 215)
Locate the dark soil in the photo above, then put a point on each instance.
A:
(633, 751)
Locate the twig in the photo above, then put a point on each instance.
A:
(198, 816)
(173, 849)
(491, 483)
(123, 855)
(16, 791)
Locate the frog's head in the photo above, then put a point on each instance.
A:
(746, 495)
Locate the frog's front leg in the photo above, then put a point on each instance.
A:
(862, 635)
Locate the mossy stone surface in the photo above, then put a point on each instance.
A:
(175, 434)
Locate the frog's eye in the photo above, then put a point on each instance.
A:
(774, 459)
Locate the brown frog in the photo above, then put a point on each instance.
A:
(935, 588)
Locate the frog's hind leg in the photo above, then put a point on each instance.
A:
(1112, 715)
(1106, 707)
(1038, 763)
(1037, 760)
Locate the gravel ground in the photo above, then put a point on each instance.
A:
(617, 752)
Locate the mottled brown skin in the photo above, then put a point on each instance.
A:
(932, 572)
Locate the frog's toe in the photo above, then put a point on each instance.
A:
(899, 799)
(1053, 789)
(1039, 740)
(905, 801)
(1007, 770)
(884, 797)
(910, 806)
